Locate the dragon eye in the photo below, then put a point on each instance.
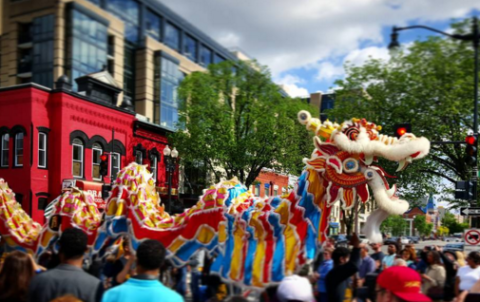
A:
(369, 173)
(352, 133)
(350, 165)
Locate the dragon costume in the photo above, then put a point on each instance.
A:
(254, 241)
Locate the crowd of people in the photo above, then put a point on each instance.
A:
(362, 273)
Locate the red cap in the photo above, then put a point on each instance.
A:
(403, 282)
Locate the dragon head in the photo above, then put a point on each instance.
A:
(345, 156)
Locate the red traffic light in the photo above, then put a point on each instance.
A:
(103, 157)
(401, 131)
(471, 140)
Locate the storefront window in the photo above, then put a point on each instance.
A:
(77, 159)
(42, 150)
(139, 157)
(115, 164)
(96, 153)
(153, 167)
(5, 150)
(19, 150)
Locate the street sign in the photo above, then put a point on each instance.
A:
(470, 211)
(472, 237)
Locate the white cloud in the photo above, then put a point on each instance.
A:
(286, 34)
(328, 71)
(289, 83)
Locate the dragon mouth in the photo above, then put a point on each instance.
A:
(385, 195)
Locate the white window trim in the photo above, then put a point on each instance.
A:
(16, 148)
(81, 160)
(94, 164)
(45, 150)
(119, 162)
(4, 149)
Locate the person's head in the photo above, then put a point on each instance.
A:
(340, 255)
(473, 259)
(376, 247)
(15, 276)
(433, 257)
(327, 253)
(399, 262)
(399, 284)
(150, 256)
(413, 253)
(406, 255)
(295, 288)
(364, 251)
(460, 258)
(450, 255)
(392, 249)
(126, 246)
(73, 244)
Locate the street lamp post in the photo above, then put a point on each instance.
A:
(170, 158)
(474, 37)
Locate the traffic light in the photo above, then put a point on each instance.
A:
(104, 165)
(471, 151)
(466, 190)
(401, 129)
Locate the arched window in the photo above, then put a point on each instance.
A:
(4, 150)
(97, 151)
(77, 158)
(19, 149)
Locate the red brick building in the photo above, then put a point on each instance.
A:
(50, 138)
(269, 183)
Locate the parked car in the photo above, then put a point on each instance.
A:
(391, 240)
(454, 246)
(414, 239)
(340, 240)
(453, 239)
(363, 239)
(404, 240)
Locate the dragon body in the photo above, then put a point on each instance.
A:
(254, 241)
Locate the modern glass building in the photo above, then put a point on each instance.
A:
(146, 47)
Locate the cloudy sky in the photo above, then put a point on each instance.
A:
(306, 42)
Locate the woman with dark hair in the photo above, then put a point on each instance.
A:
(15, 276)
(406, 255)
(449, 260)
(434, 277)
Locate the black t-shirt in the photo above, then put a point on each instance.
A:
(377, 256)
(112, 269)
(337, 278)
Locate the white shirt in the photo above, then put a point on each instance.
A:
(468, 276)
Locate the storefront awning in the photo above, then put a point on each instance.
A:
(334, 224)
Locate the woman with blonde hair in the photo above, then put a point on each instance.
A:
(460, 258)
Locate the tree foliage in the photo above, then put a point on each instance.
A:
(238, 123)
(394, 224)
(420, 223)
(452, 224)
(430, 85)
(443, 230)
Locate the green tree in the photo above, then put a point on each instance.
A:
(394, 224)
(452, 224)
(238, 123)
(420, 223)
(418, 86)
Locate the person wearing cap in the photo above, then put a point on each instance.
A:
(295, 288)
(399, 284)
(345, 265)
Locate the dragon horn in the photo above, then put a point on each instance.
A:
(324, 129)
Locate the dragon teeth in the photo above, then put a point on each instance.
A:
(392, 191)
(368, 160)
(402, 165)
